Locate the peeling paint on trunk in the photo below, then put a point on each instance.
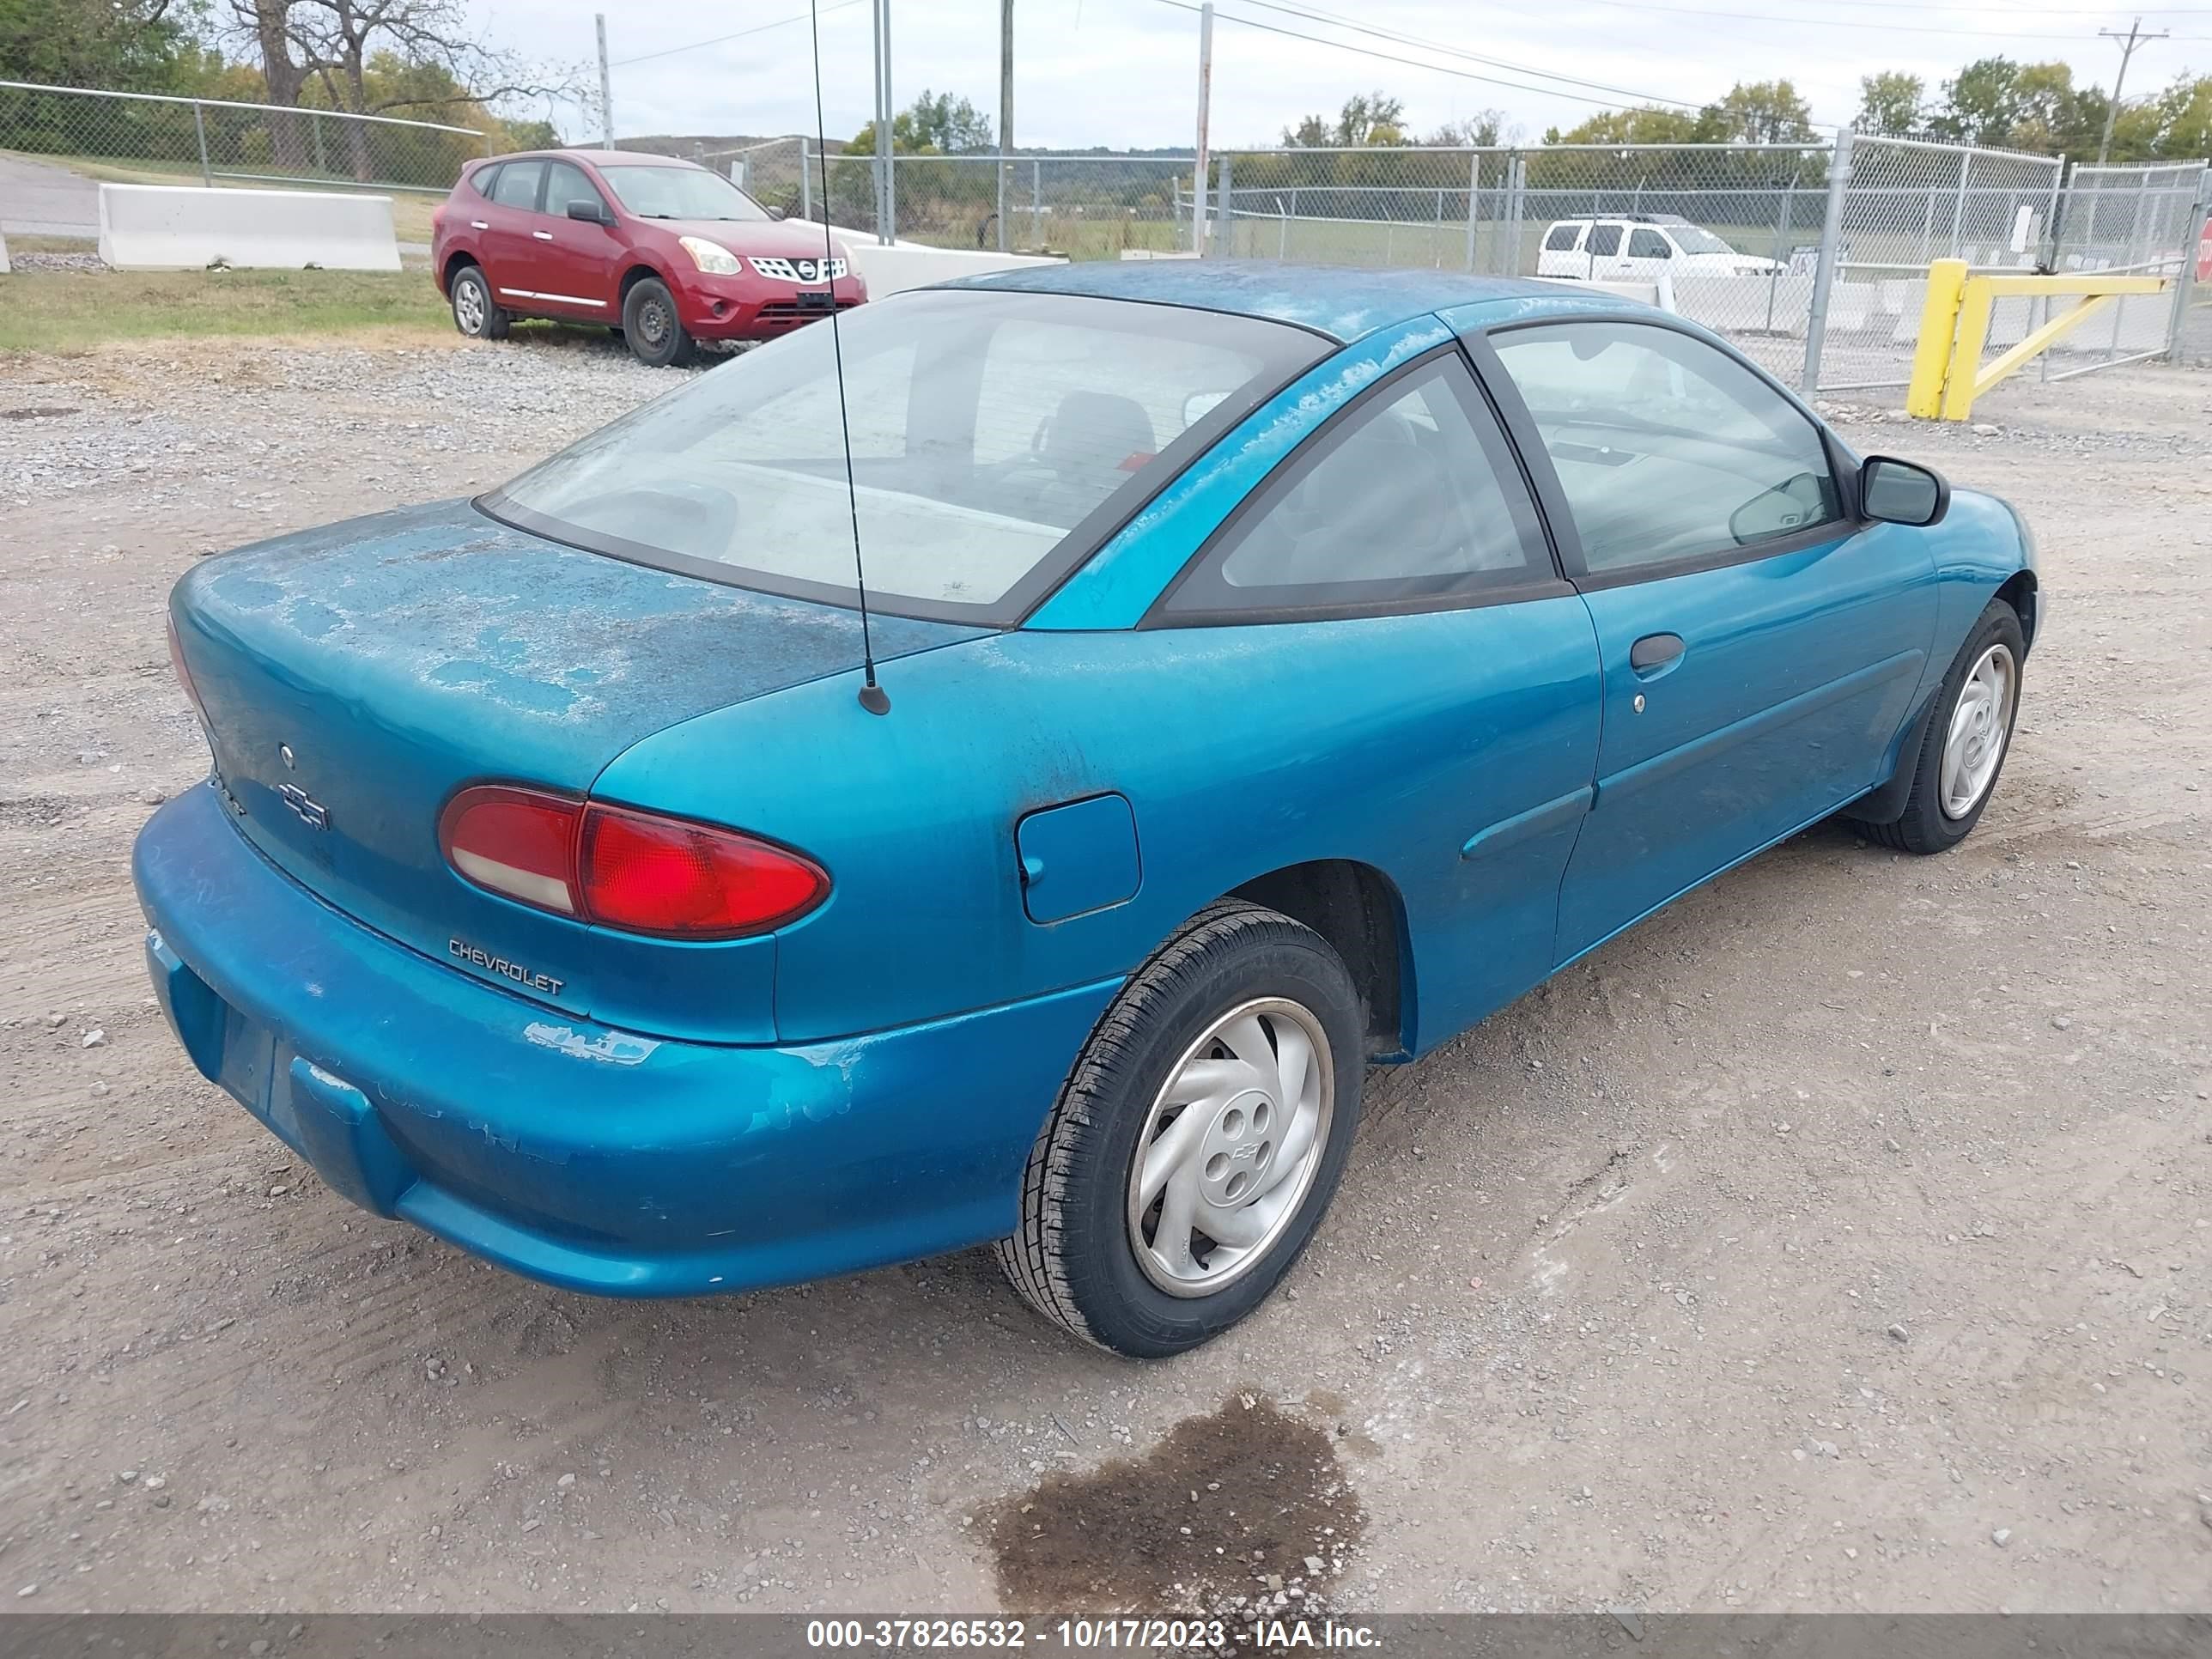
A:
(372, 668)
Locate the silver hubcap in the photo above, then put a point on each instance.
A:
(1981, 722)
(469, 307)
(1229, 1149)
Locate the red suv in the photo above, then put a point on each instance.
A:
(661, 251)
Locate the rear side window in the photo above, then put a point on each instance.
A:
(1561, 239)
(1649, 245)
(482, 180)
(1409, 498)
(1605, 239)
(517, 184)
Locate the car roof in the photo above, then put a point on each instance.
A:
(1344, 304)
(598, 158)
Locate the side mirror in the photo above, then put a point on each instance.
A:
(775, 213)
(1781, 511)
(591, 213)
(1899, 492)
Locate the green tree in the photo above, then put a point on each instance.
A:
(1368, 120)
(1762, 113)
(1639, 124)
(935, 124)
(1889, 104)
(1477, 131)
(2185, 118)
(128, 46)
(1980, 104)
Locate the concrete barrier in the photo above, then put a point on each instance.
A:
(1646, 293)
(175, 227)
(894, 270)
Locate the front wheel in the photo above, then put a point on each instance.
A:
(1968, 734)
(650, 327)
(1198, 1141)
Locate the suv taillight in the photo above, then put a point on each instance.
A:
(615, 866)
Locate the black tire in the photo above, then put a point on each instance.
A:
(475, 313)
(1924, 825)
(650, 327)
(1074, 1259)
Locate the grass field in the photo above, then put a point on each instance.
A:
(71, 310)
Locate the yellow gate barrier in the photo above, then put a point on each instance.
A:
(1955, 326)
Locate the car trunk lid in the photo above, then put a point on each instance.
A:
(352, 677)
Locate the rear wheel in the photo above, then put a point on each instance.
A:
(1967, 737)
(475, 313)
(1198, 1141)
(650, 327)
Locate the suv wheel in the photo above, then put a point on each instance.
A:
(475, 313)
(650, 327)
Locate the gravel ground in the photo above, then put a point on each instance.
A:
(1837, 1240)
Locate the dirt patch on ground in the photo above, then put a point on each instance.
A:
(1245, 1503)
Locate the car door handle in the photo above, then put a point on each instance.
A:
(543, 236)
(479, 224)
(1655, 651)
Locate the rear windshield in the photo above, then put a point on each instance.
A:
(657, 192)
(996, 439)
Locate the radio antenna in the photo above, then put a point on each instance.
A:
(873, 697)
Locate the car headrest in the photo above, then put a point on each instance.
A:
(1096, 432)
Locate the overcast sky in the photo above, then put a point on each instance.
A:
(1124, 72)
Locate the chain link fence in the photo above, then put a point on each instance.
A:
(1812, 257)
(1085, 206)
(2145, 219)
(58, 144)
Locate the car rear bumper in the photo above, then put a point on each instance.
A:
(572, 1153)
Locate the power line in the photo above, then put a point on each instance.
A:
(1314, 13)
(1841, 23)
(1391, 58)
(716, 40)
(2050, 13)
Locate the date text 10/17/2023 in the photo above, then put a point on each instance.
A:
(1276, 1634)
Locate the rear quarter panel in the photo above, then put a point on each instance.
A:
(1387, 740)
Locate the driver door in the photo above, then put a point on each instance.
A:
(1761, 648)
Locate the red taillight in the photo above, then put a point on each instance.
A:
(654, 875)
(618, 867)
(520, 842)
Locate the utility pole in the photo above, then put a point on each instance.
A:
(2134, 37)
(1198, 178)
(886, 181)
(1006, 114)
(606, 98)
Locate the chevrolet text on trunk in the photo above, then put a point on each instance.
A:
(1261, 674)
